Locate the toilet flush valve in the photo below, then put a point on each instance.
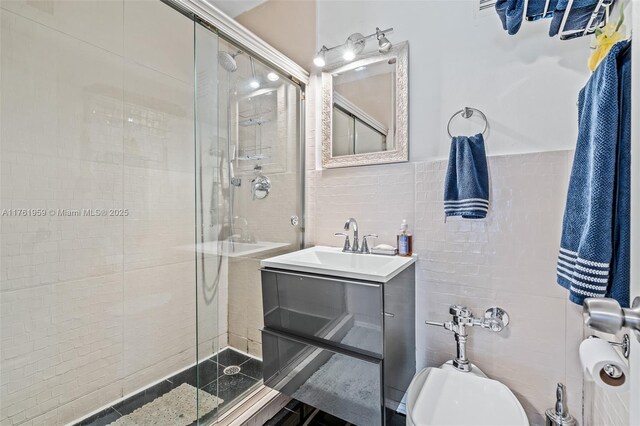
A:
(495, 319)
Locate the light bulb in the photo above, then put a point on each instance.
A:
(320, 59)
(272, 76)
(349, 55)
(384, 45)
(254, 84)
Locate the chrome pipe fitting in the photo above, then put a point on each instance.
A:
(495, 319)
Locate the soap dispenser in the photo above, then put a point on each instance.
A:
(559, 416)
(405, 240)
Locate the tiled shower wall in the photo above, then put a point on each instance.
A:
(97, 113)
(506, 260)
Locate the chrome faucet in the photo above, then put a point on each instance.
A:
(355, 248)
(495, 319)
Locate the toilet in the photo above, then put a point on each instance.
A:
(445, 396)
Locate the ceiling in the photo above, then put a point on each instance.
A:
(234, 8)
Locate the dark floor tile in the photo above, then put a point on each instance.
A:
(325, 419)
(296, 413)
(294, 405)
(187, 376)
(102, 418)
(252, 368)
(285, 418)
(206, 372)
(396, 419)
(228, 388)
(136, 401)
(230, 357)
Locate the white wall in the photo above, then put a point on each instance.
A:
(526, 84)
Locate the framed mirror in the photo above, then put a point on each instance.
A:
(365, 110)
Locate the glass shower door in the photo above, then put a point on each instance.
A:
(249, 201)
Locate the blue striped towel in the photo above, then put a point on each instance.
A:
(466, 185)
(594, 249)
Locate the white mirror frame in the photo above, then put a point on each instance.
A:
(400, 152)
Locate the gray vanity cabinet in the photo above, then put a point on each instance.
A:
(344, 346)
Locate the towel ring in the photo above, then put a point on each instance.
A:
(467, 112)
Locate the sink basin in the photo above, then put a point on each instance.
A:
(332, 261)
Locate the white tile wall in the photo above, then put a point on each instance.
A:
(268, 219)
(97, 112)
(507, 260)
(609, 408)
(605, 406)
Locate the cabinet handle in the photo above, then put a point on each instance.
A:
(389, 314)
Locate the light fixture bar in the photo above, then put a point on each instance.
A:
(329, 49)
(320, 59)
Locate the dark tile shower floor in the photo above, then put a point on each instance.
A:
(296, 413)
(210, 377)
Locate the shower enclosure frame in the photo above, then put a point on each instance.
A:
(226, 28)
(217, 21)
(212, 18)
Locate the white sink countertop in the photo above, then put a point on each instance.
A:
(332, 261)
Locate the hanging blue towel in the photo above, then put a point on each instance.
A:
(594, 249)
(466, 185)
(579, 15)
(619, 283)
(536, 9)
(511, 12)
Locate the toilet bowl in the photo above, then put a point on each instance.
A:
(444, 396)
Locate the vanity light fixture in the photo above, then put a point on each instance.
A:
(384, 45)
(320, 60)
(354, 45)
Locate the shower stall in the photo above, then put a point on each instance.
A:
(151, 154)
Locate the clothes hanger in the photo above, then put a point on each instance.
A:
(546, 13)
(599, 18)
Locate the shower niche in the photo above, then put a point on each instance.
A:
(263, 128)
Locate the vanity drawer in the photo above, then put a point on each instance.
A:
(345, 385)
(344, 313)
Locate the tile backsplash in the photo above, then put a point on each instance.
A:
(506, 260)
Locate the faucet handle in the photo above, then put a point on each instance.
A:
(365, 246)
(347, 244)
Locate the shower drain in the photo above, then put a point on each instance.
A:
(231, 370)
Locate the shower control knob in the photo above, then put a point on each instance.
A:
(295, 220)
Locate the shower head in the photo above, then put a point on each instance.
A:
(228, 60)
